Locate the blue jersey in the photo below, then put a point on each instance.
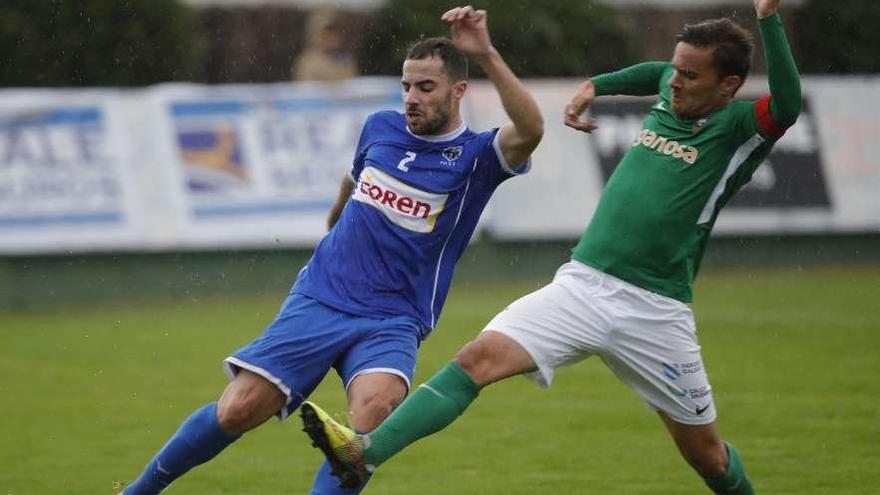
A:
(415, 204)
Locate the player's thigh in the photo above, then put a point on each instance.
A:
(654, 350)
(297, 349)
(561, 323)
(385, 347)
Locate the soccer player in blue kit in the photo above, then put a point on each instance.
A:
(377, 281)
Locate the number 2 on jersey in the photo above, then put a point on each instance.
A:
(410, 156)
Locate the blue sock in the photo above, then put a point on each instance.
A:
(198, 440)
(327, 484)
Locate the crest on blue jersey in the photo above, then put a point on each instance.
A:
(451, 153)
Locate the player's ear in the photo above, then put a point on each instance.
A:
(459, 89)
(730, 85)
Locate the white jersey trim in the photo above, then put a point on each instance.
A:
(503, 161)
(739, 157)
(441, 137)
(446, 242)
(390, 371)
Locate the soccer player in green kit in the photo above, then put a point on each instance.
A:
(624, 295)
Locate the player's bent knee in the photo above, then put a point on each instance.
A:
(372, 410)
(482, 360)
(246, 404)
(233, 415)
(475, 357)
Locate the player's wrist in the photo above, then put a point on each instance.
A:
(486, 57)
(766, 13)
(586, 92)
(596, 87)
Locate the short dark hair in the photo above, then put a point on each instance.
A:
(455, 63)
(733, 45)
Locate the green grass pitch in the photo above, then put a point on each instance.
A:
(89, 393)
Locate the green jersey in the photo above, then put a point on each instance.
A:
(653, 220)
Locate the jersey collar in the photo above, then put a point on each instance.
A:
(439, 138)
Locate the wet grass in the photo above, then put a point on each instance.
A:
(90, 392)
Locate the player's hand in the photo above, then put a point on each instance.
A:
(766, 8)
(582, 99)
(470, 32)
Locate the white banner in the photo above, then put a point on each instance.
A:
(65, 181)
(177, 166)
(821, 177)
(261, 165)
(193, 167)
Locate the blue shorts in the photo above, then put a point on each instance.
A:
(307, 338)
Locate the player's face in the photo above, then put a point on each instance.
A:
(430, 99)
(697, 89)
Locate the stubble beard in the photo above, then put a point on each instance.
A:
(436, 125)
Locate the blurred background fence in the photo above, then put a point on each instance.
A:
(159, 148)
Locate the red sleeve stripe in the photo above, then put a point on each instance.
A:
(768, 127)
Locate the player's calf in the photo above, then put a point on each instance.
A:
(734, 480)
(198, 440)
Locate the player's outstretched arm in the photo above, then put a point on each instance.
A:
(345, 189)
(782, 73)
(576, 107)
(521, 136)
(638, 80)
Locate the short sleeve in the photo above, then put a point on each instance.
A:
(492, 168)
(360, 151)
(510, 169)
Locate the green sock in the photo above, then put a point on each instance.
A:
(734, 481)
(432, 407)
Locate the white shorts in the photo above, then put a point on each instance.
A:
(649, 341)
